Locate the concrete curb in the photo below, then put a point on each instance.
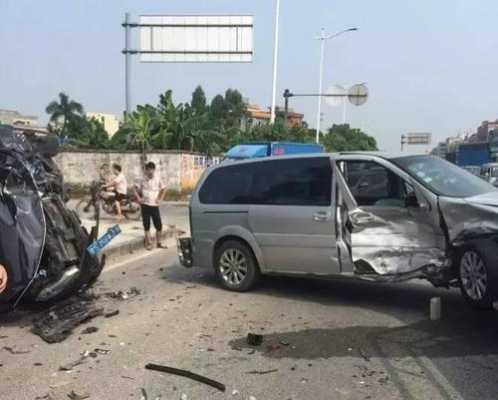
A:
(134, 246)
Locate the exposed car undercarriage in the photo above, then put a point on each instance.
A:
(43, 244)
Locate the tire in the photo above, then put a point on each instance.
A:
(475, 277)
(132, 210)
(108, 207)
(236, 266)
(85, 208)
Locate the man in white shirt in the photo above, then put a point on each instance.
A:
(120, 187)
(150, 193)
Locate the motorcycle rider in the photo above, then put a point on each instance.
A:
(119, 186)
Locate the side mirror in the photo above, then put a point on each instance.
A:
(411, 200)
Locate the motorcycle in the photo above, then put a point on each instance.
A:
(89, 206)
(43, 246)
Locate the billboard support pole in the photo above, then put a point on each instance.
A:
(127, 65)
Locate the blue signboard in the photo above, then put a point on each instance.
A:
(97, 246)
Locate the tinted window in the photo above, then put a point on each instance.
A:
(300, 182)
(228, 185)
(303, 181)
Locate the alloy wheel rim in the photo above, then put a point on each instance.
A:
(473, 275)
(3, 278)
(233, 266)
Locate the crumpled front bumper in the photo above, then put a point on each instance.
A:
(184, 248)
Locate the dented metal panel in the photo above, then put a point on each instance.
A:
(470, 218)
(389, 240)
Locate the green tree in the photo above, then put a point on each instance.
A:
(140, 128)
(235, 108)
(217, 111)
(198, 102)
(344, 138)
(66, 109)
(87, 133)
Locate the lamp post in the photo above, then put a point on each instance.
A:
(275, 62)
(324, 37)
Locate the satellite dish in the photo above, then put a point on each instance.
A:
(358, 94)
(339, 93)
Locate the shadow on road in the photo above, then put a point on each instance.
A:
(433, 339)
(462, 331)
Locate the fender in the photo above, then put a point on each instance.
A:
(246, 235)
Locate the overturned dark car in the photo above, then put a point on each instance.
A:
(43, 257)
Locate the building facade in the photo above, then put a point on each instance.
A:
(13, 117)
(110, 121)
(259, 116)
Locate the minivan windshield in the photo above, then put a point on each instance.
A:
(442, 177)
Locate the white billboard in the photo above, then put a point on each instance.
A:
(196, 38)
(418, 138)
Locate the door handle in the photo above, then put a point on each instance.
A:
(322, 216)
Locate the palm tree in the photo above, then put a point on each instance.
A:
(140, 126)
(64, 108)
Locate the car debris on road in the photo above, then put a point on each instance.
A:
(187, 374)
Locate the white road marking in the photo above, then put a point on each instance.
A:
(440, 379)
(134, 258)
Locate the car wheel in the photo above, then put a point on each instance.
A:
(474, 278)
(236, 266)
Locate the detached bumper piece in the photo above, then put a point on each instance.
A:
(184, 246)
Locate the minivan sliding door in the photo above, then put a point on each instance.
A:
(292, 216)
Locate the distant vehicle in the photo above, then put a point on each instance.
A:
(475, 154)
(365, 216)
(473, 169)
(489, 172)
(266, 149)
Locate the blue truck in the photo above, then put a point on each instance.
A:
(473, 154)
(266, 149)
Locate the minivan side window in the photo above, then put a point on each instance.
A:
(296, 182)
(228, 185)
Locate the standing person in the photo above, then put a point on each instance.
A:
(150, 193)
(120, 187)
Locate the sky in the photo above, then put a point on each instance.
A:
(430, 66)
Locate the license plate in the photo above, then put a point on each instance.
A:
(97, 246)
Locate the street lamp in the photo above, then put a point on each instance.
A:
(323, 37)
(275, 62)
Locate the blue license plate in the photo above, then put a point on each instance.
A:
(97, 246)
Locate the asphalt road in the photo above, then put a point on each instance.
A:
(322, 340)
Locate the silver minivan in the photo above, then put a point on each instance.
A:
(358, 215)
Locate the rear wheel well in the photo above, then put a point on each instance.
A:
(225, 239)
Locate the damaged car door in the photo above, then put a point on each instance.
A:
(388, 230)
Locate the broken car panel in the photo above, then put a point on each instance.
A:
(361, 215)
(42, 242)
